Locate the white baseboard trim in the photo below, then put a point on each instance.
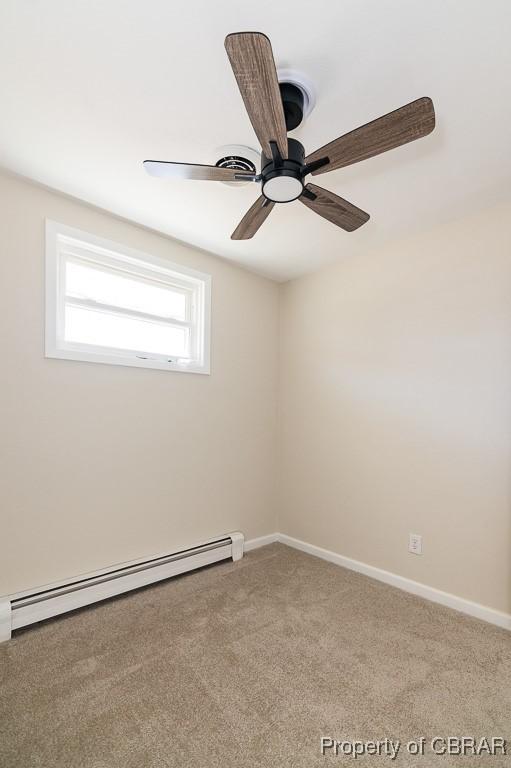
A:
(483, 612)
(261, 541)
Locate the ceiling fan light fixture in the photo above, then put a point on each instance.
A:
(282, 180)
(283, 188)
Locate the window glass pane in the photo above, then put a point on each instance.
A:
(87, 282)
(104, 329)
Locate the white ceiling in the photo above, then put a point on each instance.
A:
(90, 88)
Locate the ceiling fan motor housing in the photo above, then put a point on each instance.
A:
(282, 179)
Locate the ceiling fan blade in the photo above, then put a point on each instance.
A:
(166, 170)
(252, 62)
(333, 208)
(253, 219)
(408, 123)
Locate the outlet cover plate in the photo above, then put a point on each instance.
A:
(415, 544)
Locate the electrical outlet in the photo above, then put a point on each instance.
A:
(415, 544)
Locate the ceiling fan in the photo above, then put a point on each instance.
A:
(274, 109)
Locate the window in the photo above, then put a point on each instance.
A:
(109, 304)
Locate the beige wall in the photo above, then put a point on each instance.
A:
(396, 407)
(395, 412)
(102, 463)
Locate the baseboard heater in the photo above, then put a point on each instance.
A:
(25, 608)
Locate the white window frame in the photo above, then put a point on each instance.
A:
(67, 243)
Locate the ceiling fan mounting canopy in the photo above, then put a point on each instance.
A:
(293, 104)
(274, 109)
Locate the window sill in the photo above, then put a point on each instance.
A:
(127, 360)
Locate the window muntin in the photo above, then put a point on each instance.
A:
(86, 280)
(111, 304)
